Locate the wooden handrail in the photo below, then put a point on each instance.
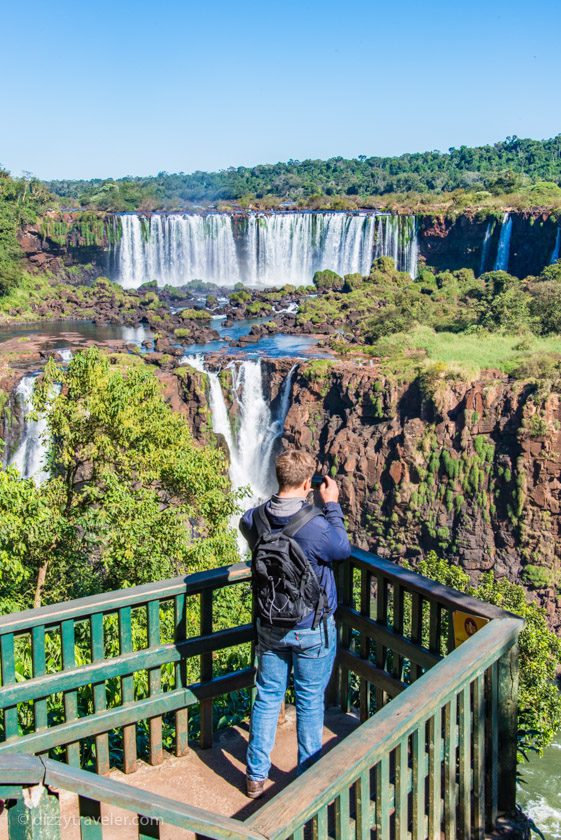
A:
(364, 747)
(415, 582)
(108, 602)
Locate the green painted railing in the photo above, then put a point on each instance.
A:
(424, 763)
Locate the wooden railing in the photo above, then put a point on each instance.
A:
(425, 760)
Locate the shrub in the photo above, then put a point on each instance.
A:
(328, 279)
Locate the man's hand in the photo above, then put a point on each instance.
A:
(328, 491)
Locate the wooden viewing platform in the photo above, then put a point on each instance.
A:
(100, 682)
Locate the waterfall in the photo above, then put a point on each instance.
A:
(260, 249)
(503, 251)
(30, 457)
(556, 247)
(485, 248)
(251, 440)
(396, 237)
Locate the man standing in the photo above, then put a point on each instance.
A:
(296, 597)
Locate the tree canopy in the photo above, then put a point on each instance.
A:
(131, 497)
(504, 167)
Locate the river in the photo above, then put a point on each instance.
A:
(539, 793)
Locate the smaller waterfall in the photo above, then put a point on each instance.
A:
(30, 457)
(251, 440)
(485, 248)
(556, 248)
(503, 251)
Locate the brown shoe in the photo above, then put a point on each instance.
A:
(254, 789)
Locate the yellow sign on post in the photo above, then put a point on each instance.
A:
(465, 625)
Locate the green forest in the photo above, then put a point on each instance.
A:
(509, 167)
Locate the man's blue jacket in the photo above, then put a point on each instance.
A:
(323, 540)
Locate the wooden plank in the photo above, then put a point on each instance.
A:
(388, 639)
(38, 658)
(434, 628)
(435, 777)
(11, 727)
(380, 679)
(450, 756)
(492, 745)
(479, 809)
(382, 622)
(91, 827)
(108, 602)
(363, 806)
(181, 716)
(418, 764)
(127, 691)
(365, 601)
(364, 747)
(123, 795)
(35, 819)
(123, 665)
(74, 730)
(21, 770)
(342, 815)
(70, 697)
(156, 753)
(401, 790)
(346, 601)
(507, 710)
(319, 824)
(464, 815)
(382, 799)
(429, 589)
(416, 630)
(206, 670)
(99, 695)
(397, 629)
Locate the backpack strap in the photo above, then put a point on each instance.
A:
(305, 515)
(261, 521)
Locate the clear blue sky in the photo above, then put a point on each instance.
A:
(99, 89)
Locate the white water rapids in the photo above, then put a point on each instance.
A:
(258, 249)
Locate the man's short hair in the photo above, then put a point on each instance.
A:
(293, 467)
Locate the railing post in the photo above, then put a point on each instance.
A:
(206, 670)
(35, 815)
(507, 708)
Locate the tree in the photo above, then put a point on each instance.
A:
(131, 497)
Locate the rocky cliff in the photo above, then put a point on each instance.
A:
(453, 243)
(471, 470)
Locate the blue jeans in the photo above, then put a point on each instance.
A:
(278, 651)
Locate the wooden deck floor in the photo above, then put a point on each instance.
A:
(213, 779)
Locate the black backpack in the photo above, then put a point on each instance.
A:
(285, 586)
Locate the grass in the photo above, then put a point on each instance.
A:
(465, 353)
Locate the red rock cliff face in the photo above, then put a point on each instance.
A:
(470, 470)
